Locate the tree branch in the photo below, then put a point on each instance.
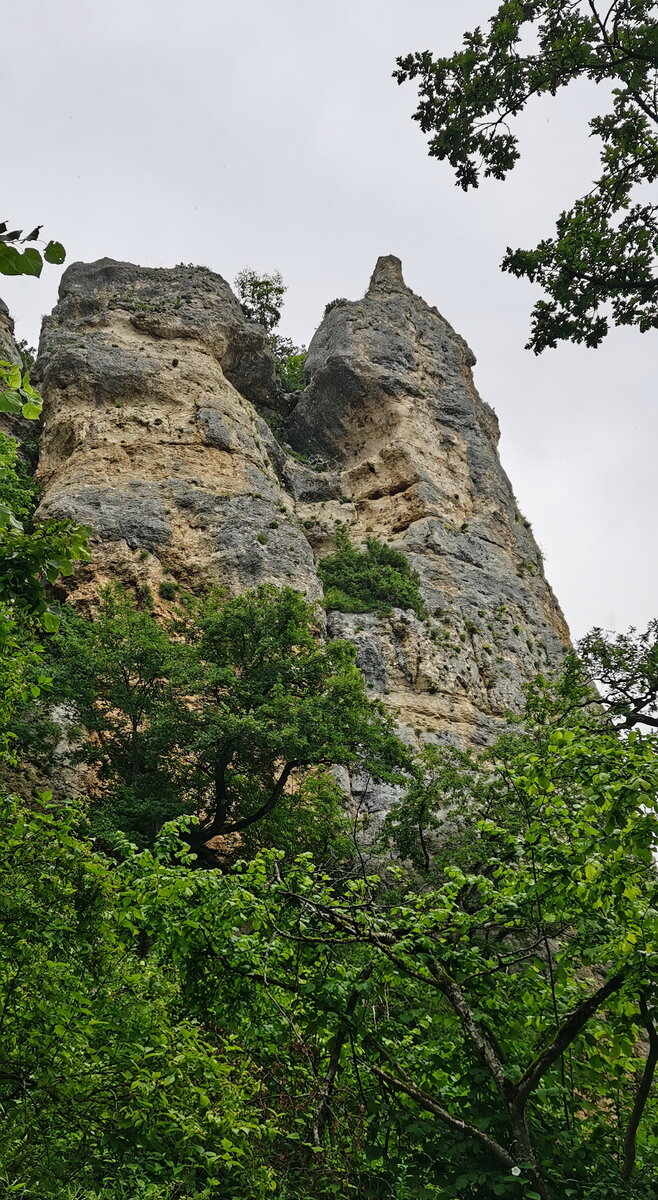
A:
(270, 803)
(456, 1123)
(322, 1113)
(642, 1094)
(565, 1036)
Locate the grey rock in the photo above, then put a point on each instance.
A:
(184, 302)
(7, 343)
(136, 516)
(362, 629)
(310, 486)
(218, 431)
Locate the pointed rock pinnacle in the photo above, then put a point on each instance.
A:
(387, 275)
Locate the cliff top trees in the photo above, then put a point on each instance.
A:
(601, 264)
(261, 297)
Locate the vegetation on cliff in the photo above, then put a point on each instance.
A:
(372, 580)
(470, 1012)
(261, 297)
(211, 987)
(233, 711)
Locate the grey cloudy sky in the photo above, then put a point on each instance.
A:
(270, 133)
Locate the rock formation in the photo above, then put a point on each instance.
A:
(7, 344)
(167, 431)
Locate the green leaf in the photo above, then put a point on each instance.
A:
(10, 402)
(32, 262)
(54, 253)
(10, 260)
(31, 411)
(50, 621)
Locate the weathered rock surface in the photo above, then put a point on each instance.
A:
(392, 406)
(148, 440)
(7, 344)
(155, 388)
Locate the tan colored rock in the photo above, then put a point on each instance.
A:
(392, 406)
(148, 441)
(155, 385)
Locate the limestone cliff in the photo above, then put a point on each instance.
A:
(156, 388)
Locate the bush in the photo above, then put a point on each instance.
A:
(372, 580)
(105, 1080)
(168, 589)
(337, 303)
(291, 370)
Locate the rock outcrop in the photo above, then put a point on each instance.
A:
(156, 392)
(7, 344)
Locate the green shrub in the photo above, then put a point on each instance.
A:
(168, 589)
(372, 580)
(291, 369)
(337, 303)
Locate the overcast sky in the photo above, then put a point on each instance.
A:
(270, 133)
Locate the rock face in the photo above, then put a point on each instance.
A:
(156, 388)
(392, 406)
(7, 344)
(151, 436)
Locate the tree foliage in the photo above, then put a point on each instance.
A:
(500, 1025)
(624, 667)
(15, 261)
(107, 1090)
(32, 556)
(18, 396)
(227, 711)
(475, 1015)
(600, 266)
(261, 297)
